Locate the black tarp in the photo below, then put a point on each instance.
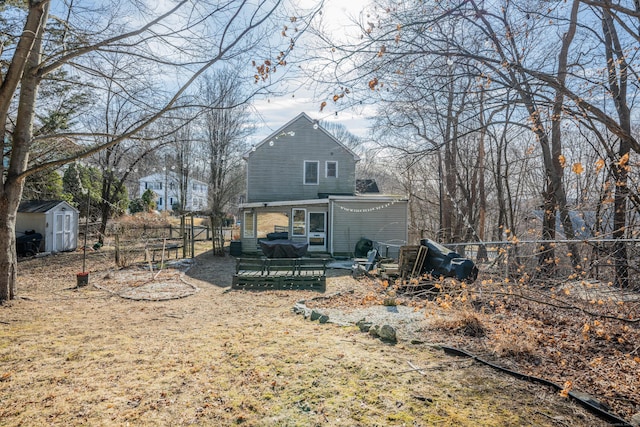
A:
(283, 248)
(442, 261)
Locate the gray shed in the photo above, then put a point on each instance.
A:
(56, 220)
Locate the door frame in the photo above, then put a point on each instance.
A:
(317, 234)
(64, 233)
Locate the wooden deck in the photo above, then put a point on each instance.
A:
(280, 273)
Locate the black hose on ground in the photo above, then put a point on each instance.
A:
(583, 399)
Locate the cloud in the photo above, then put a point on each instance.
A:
(337, 19)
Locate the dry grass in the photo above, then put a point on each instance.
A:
(463, 322)
(88, 357)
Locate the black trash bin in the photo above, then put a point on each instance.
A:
(235, 248)
(28, 244)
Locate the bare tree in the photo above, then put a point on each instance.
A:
(180, 42)
(226, 126)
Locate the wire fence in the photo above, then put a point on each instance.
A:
(596, 258)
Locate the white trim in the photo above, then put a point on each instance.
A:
(330, 225)
(324, 234)
(293, 222)
(360, 198)
(244, 225)
(284, 203)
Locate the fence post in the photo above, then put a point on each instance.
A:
(117, 238)
(183, 229)
(193, 240)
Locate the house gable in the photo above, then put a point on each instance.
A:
(300, 161)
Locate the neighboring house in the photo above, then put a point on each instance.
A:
(166, 185)
(56, 220)
(301, 181)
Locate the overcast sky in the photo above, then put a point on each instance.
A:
(274, 112)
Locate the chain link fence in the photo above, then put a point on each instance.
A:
(596, 259)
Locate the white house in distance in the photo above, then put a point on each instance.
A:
(166, 185)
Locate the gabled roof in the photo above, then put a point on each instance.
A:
(282, 130)
(40, 206)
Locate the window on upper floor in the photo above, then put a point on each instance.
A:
(331, 169)
(153, 185)
(311, 172)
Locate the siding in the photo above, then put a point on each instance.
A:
(275, 171)
(378, 220)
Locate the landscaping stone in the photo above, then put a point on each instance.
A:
(364, 325)
(387, 333)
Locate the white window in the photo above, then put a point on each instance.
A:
(299, 222)
(311, 172)
(249, 227)
(331, 169)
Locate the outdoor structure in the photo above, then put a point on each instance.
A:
(301, 186)
(166, 185)
(55, 220)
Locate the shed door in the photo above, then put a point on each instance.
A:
(317, 231)
(62, 231)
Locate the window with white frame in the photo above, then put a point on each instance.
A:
(331, 169)
(249, 221)
(311, 172)
(299, 217)
(153, 185)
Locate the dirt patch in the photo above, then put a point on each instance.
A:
(218, 357)
(143, 283)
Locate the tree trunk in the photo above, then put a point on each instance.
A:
(617, 70)
(13, 182)
(556, 140)
(620, 221)
(8, 258)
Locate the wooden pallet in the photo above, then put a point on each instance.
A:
(280, 273)
(411, 261)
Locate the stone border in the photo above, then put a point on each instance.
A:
(385, 332)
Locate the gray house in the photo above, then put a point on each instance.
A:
(301, 184)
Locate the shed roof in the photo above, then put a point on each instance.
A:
(40, 206)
